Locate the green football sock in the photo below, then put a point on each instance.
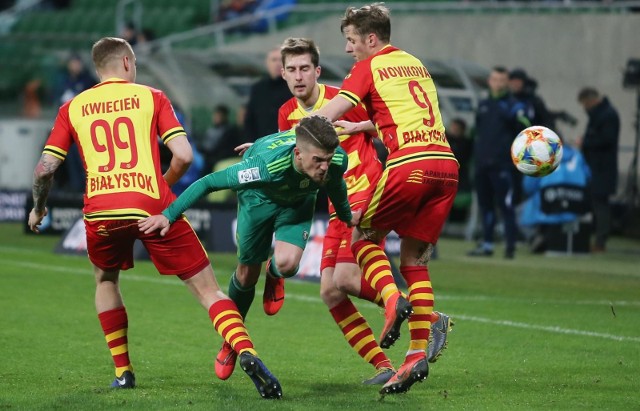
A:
(243, 297)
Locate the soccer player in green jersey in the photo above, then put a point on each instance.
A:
(277, 182)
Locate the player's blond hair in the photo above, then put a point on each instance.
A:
(317, 131)
(373, 18)
(108, 49)
(297, 46)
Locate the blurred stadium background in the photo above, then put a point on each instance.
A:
(200, 60)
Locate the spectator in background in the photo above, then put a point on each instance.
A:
(130, 33)
(265, 98)
(599, 145)
(73, 81)
(241, 115)
(220, 138)
(573, 172)
(499, 119)
(233, 9)
(523, 87)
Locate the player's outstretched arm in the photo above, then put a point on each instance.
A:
(335, 108)
(344, 127)
(153, 223)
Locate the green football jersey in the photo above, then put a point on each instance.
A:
(268, 169)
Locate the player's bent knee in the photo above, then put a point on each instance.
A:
(331, 296)
(287, 268)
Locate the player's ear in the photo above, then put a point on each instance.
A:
(318, 71)
(372, 40)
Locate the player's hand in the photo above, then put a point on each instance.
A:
(346, 128)
(150, 224)
(242, 148)
(355, 218)
(35, 219)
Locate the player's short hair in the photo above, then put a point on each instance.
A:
(297, 46)
(373, 18)
(500, 69)
(317, 131)
(108, 49)
(588, 93)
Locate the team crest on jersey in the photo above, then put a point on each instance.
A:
(304, 183)
(305, 235)
(249, 175)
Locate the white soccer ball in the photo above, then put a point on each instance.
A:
(536, 151)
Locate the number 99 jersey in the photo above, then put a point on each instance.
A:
(116, 125)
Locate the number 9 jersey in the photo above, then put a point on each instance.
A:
(384, 82)
(116, 125)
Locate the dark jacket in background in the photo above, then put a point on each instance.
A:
(266, 97)
(600, 147)
(498, 122)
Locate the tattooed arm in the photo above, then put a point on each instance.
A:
(42, 181)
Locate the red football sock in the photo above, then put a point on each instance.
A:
(358, 334)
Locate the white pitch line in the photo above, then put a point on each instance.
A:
(171, 280)
(553, 329)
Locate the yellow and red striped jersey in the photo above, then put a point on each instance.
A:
(401, 99)
(116, 125)
(364, 167)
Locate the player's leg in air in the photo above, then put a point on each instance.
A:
(351, 282)
(376, 270)
(283, 264)
(291, 227)
(341, 275)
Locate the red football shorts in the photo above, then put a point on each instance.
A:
(110, 247)
(413, 199)
(336, 247)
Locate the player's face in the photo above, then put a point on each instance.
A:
(356, 45)
(314, 162)
(301, 77)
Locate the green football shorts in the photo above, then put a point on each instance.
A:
(259, 219)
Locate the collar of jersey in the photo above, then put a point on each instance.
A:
(111, 80)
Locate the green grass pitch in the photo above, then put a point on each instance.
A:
(531, 333)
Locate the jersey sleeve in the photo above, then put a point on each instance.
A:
(283, 123)
(358, 82)
(337, 188)
(168, 125)
(61, 136)
(249, 173)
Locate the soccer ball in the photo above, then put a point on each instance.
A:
(536, 151)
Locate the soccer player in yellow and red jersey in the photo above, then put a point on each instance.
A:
(340, 274)
(416, 192)
(116, 125)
